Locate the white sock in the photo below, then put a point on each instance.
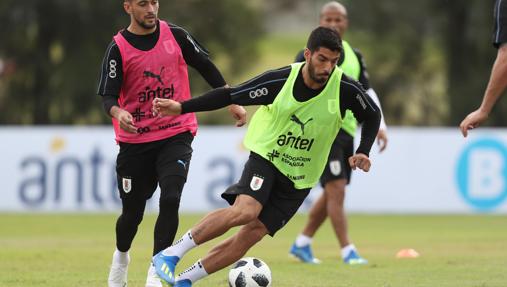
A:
(347, 249)
(194, 273)
(121, 257)
(303, 240)
(182, 246)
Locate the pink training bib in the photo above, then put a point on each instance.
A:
(158, 73)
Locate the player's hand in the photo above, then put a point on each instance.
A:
(360, 161)
(473, 120)
(382, 139)
(238, 113)
(165, 107)
(126, 121)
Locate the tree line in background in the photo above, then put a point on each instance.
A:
(429, 60)
(51, 51)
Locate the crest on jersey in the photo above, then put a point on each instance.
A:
(127, 184)
(332, 106)
(256, 182)
(169, 47)
(335, 167)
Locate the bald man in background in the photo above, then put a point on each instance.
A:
(337, 174)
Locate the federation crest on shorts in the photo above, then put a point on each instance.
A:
(256, 182)
(127, 184)
(335, 167)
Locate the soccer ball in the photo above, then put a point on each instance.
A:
(250, 272)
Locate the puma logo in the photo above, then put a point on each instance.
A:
(148, 74)
(184, 164)
(299, 122)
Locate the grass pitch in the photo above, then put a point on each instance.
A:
(75, 250)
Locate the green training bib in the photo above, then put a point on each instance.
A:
(352, 68)
(297, 136)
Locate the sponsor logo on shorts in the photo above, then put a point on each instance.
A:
(127, 184)
(256, 182)
(183, 163)
(335, 167)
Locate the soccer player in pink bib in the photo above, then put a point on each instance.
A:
(147, 60)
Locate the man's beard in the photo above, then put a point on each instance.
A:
(146, 26)
(314, 76)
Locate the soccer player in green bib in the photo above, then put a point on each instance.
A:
(337, 173)
(290, 136)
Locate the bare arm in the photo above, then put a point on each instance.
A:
(496, 86)
(497, 82)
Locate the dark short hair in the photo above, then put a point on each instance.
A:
(323, 37)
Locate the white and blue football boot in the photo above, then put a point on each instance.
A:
(304, 254)
(165, 266)
(183, 283)
(353, 258)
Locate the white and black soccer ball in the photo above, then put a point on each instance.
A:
(250, 272)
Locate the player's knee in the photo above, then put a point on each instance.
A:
(336, 185)
(241, 216)
(170, 194)
(168, 203)
(258, 231)
(134, 218)
(335, 190)
(245, 210)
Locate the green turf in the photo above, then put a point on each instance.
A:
(75, 250)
